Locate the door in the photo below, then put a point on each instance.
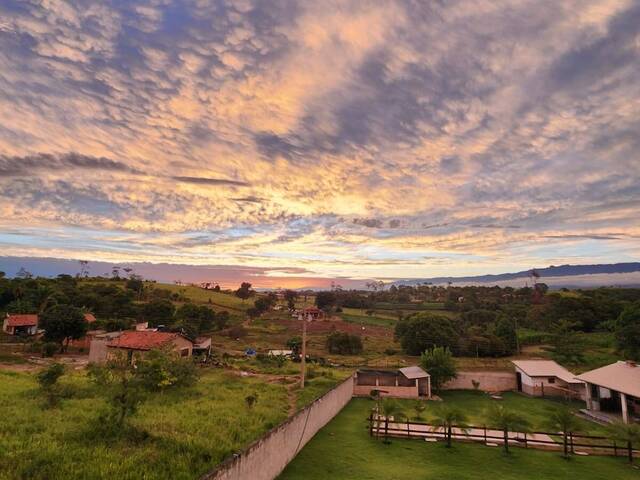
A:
(519, 381)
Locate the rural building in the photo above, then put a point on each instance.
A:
(613, 390)
(20, 324)
(408, 382)
(202, 346)
(314, 313)
(540, 378)
(136, 344)
(90, 318)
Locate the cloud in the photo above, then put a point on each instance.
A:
(352, 138)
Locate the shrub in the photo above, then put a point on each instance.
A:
(421, 331)
(48, 380)
(344, 343)
(237, 331)
(48, 349)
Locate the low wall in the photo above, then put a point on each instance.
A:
(396, 392)
(267, 457)
(489, 381)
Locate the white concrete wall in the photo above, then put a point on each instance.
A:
(267, 457)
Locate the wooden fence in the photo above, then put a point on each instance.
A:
(593, 444)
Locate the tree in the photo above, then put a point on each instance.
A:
(290, 296)
(48, 380)
(627, 332)
(628, 433)
(419, 407)
(566, 344)
(390, 408)
(506, 420)
(295, 344)
(439, 363)
(447, 417)
(158, 312)
(344, 343)
(421, 331)
(326, 300)
(63, 323)
(563, 420)
(161, 369)
(244, 291)
(251, 400)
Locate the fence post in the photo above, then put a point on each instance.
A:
(615, 449)
(485, 434)
(371, 424)
(571, 440)
(526, 445)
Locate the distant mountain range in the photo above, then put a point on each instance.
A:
(618, 274)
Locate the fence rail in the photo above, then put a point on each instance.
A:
(536, 439)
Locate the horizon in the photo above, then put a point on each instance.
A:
(310, 142)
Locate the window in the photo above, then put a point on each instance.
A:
(184, 352)
(551, 380)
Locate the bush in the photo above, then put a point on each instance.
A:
(439, 363)
(344, 343)
(237, 331)
(48, 349)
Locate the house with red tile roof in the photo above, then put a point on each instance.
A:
(89, 317)
(20, 324)
(135, 344)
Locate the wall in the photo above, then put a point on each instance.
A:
(396, 392)
(489, 381)
(267, 457)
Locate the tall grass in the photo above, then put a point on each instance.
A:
(180, 434)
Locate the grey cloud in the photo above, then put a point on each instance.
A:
(26, 165)
(210, 181)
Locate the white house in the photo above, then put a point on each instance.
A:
(541, 378)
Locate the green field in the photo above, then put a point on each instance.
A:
(200, 295)
(185, 433)
(343, 450)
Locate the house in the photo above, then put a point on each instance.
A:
(280, 353)
(407, 382)
(98, 346)
(540, 378)
(202, 346)
(135, 344)
(20, 324)
(90, 318)
(313, 313)
(613, 389)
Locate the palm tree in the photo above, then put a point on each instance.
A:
(506, 420)
(390, 408)
(628, 433)
(563, 419)
(419, 407)
(448, 416)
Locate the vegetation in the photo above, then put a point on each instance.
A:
(344, 343)
(448, 416)
(63, 323)
(627, 332)
(343, 450)
(628, 433)
(507, 420)
(48, 380)
(563, 420)
(439, 362)
(176, 433)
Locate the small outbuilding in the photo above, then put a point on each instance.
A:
(540, 378)
(137, 343)
(20, 324)
(313, 313)
(614, 391)
(408, 382)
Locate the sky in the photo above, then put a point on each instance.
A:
(347, 139)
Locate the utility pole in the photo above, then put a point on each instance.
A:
(303, 359)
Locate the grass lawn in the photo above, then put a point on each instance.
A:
(187, 431)
(475, 405)
(343, 450)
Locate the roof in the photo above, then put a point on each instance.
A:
(22, 320)
(143, 340)
(89, 317)
(413, 372)
(620, 376)
(545, 368)
(202, 342)
(312, 309)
